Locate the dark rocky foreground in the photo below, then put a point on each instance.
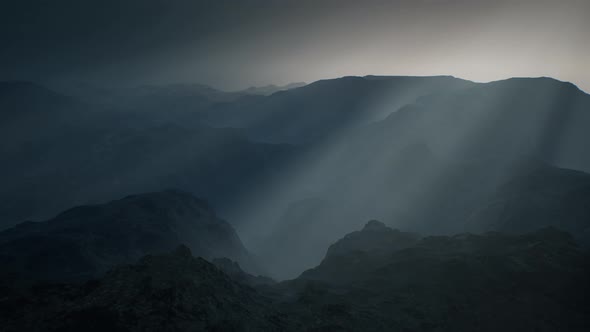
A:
(171, 292)
(377, 279)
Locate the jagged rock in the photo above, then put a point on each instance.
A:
(375, 236)
(466, 282)
(170, 292)
(234, 270)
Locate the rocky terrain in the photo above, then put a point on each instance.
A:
(375, 279)
(169, 292)
(466, 282)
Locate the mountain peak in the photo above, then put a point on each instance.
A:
(537, 84)
(375, 237)
(375, 225)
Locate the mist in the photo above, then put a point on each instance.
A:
(294, 165)
(431, 166)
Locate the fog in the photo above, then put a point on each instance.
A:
(113, 98)
(431, 166)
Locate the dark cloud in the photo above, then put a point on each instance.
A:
(235, 43)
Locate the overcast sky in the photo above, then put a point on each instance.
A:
(235, 44)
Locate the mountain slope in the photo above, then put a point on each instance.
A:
(431, 196)
(169, 292)
(541, 117)
(484, 157)
(465, 282)
(270, 89)
(85, 241)
(43, 176)
(324, 108)
(55, 147)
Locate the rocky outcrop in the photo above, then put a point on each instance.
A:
(170, 292)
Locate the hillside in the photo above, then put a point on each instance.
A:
(86, 241)
(466, 282)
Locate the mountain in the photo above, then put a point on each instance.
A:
(465, 282)
(434, 155)
(168, 292)
(190, 94)
(399, 281)
(488, 156)
(27, 108)
(86, 241)
(431, 197)
(234, 271)
(20, 98)
(539, 196)
(375, 236)
(324, 108)
(337, 118)
(270, 89)
(375, 241)
(47, 164)
(541, 117)
(519, 116)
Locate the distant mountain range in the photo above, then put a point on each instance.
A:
(58, 152)
(270, 89)
(295, 170)
(321, 109)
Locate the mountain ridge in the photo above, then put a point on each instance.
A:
(463, 282)
(85, 241)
